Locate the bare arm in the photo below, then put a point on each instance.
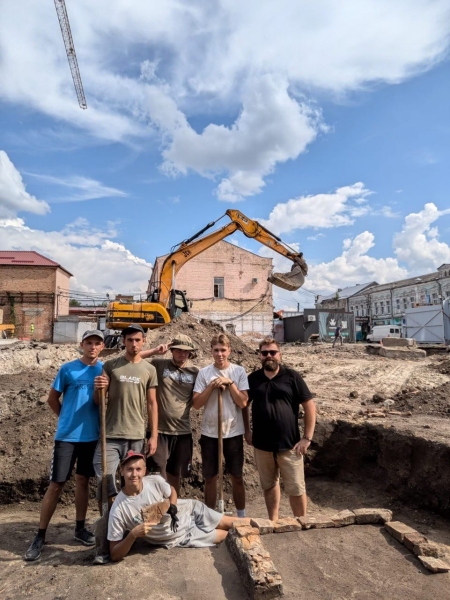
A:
(152, 412)
(310, 423)
(119, 550)
(240, 397)
(100, 382)
(248, 432)
(199, 399)
(157, 350)
(53, 401)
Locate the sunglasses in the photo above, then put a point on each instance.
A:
(269, 352)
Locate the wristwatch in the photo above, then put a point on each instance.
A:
(307, 438)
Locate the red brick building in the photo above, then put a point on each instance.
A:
(229, 285)
(34, 290)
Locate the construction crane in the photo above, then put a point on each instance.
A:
(61, 11)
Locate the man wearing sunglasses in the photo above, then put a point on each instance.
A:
(275, 394)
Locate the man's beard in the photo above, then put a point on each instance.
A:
(271, 365)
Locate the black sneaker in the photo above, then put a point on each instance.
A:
(34, 551)
(85, 537)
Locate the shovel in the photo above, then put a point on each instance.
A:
(101, 527)
(221, 508)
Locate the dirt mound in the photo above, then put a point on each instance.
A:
(21, 356)
(442, 366)
(434, 401)
(201, 333)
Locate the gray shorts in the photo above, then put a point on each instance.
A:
(202, 530)
(116, 449)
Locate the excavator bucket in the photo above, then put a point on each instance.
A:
(295, 279)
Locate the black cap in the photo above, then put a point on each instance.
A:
(132, 328)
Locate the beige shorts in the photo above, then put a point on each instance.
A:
(288, 463)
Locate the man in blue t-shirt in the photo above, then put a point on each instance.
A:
(75, 439)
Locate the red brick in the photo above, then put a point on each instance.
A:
(398, 530)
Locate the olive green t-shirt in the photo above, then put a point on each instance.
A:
(174, 395)
(127, 397)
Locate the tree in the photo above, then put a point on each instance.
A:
(73, 302)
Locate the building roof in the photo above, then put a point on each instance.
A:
(28, 258)
(420, 279)
(348, 292)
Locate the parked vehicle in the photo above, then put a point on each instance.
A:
(383, 331)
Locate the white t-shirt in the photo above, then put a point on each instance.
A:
(232, 421)
(126, 514)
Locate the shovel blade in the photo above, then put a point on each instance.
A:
(101, 536)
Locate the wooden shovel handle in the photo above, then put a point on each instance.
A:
(220, 442)
(102, 406)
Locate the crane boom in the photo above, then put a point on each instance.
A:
(63, 18)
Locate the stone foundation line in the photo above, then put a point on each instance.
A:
(262, 579)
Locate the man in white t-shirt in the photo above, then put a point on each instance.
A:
(232, 380)
(187, 523)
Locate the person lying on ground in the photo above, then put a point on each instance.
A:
(75, 438)
(187, 523)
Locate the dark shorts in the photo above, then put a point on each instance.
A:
(173, 455)
(65, 454)
(233, 452)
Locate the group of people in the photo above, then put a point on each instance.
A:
(149, 436)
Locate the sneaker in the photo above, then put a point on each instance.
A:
(85, 537)
(34, 551)
(101, 559)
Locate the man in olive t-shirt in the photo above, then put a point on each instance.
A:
(176, 379)
(131, 383)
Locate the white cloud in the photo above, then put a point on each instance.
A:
(83, 188)
(334, 209)
(14, 197)
(418, 245)
(148, 69)
(99, 264)
(272, 127)
(314, 238)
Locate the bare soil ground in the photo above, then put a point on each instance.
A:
(350, 386)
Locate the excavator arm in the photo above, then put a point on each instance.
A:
(250, 228)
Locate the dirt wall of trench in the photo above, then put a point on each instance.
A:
(412, 469)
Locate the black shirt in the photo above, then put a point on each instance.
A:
(275, 408)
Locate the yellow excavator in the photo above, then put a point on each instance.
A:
(165, 302)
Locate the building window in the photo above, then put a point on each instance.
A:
(376, 308)
(388, 306)
(381, 308)
(435, 299)
(412, 301)
(218, 287)
(398, 304)
(405, 303)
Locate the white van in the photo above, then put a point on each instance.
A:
(383, 331)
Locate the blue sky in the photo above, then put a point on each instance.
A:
(329, 123)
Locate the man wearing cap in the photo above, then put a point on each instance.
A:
(131, 383)
(75, 439)
(187, 523)
(176, 379)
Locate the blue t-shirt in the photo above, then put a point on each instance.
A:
(79, 419)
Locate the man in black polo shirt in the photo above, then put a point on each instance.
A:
(276, 393)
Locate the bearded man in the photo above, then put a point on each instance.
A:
(275, 394)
